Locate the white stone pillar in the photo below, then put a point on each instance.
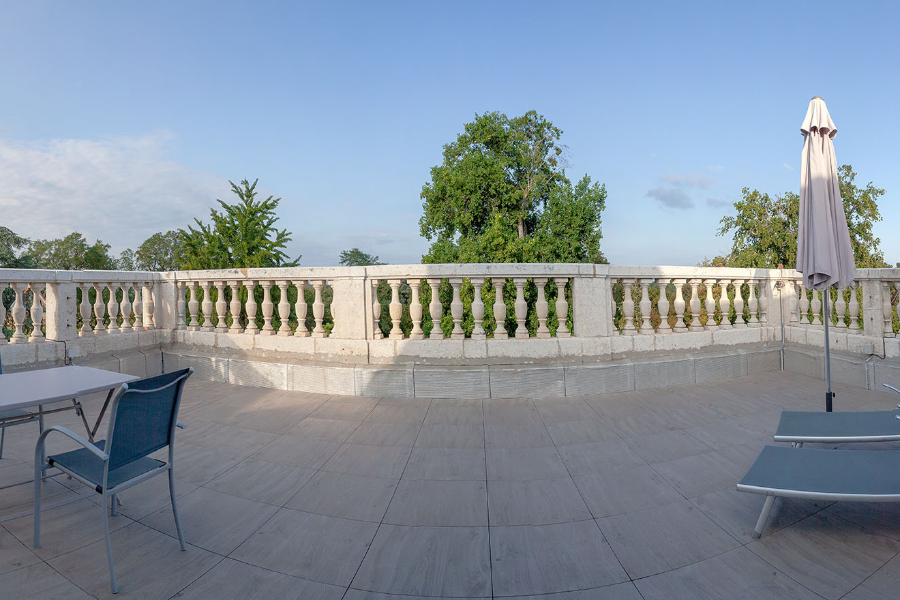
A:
(18, 314)
(112, 307)
(753, 303)
(695, 306)
(99, 310)
(193, 307)
(853, 307)
(85, 309)
(268, 308)
(478, 309)
(646, 327)
(628, 306)
(235, 307)
(300, 308)
(662, 305)
(521, 308)
(126, 307)
(436, 310)
(739, 322)
(840, 310)
(376, 311)
(817, 309)
(318, 310)
(207, 307)
(499, 308)
(252, 307)
(37, 314)
(803, 306)
(541, 308)
(724, 304)
(221, 308)
(415, 310)
(562, 307)
(456, 310)
(710, 305)
(887, 309)
(680, 326)
(149, 306)
(396, 310)
(284, 309)
(179, 306)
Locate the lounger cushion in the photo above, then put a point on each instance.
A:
(838, 426)
(805, 472)
(83, 463)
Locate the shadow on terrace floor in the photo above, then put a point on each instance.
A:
(627, 496)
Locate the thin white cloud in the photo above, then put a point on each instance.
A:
(694, 180)
(120, 190)
(788, 167)
(671, 197)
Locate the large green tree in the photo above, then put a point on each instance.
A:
(71, 253)
(501, 195)
(764, 228)
(243, 235)
(10, 244)
(160, 252)
(354, 257)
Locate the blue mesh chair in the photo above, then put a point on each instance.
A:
(142, 420)
(15, 416)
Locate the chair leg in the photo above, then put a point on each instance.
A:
(37, 503)
(2, 439)
(763, 516)
(115, 509)
(112, 570)
(175, 510)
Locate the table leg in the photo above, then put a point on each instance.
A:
(80, 412)
(93, 432)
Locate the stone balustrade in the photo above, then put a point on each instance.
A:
(442, 314)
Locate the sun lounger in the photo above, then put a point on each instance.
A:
(830, 475)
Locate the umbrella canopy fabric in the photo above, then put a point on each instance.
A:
(824, 254)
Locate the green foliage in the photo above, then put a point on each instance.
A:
(127, 261)
(765, 227)
(243, 235)
(71, 253)
(9, 244)
(354, 257)
(160, 252)
(569, 228)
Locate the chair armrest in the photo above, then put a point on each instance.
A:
(71, 435)
(180, 425)
(890, 387)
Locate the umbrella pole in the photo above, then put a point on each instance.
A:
(829, 395)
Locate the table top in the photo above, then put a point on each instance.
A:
(43, 386)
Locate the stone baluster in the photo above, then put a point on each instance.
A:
(817, 309)
(680, 325)
(235, 307)
(99, 310)
(840, 310)
(18, 314)
(793, 304)
(193, 305)
(739, 322)
(207, 307)
(415, 310)
(803, 306)
(646, 327)
(763, 300)
(662, 305)
(521, 308)
(724, 304)
(436, 309)
(268, 308)
(318, 310)
(221, 307)
(695, 305)
(628, 306)
(396, 310)
(180, 306)
(37, 315)
(500, 332)
(284, 309)
(300, 310)
(887, 308)
(376, 311)
(853, 307)
(149, 306)
(112, 307)
(710, 305)
(252, 307)
(478, 309)
(542, 308)
(126, 308)
(753, 303)
(456, 310)
(85, 309)
(562, 307)
(138, 308)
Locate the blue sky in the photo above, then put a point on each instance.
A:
(122, 119)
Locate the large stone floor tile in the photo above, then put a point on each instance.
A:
(13, 553)
(324, 549)
(535, 502)
(297, 451)
(447, 464)
(64, 528)
(212, 520)
(336, 430)
(500, 434)
(878, 518)
(737, 512)
(659, 539)
(723, 434)
(568, 433)
(262, 481)
(427, 561)
(451, 436)
(663, 447)
(374, 433)
(364, 595)
(828, 555)
(640, 424)
(551, 558)
(439, 504)
(596, 457)
(233, 580)
(370, 461)
(234, 440)
(18, 498)
(524, 464)
(617, 591)
(735, 575)
(625, 490)
(39, 582)
(386, 413)
(700, 474)
(346, 412)
(883, 585)
(148, 564)
(198, 465)
(147, 497)
(345, 496)
(454, 415)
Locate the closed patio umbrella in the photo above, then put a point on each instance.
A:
(824, 253)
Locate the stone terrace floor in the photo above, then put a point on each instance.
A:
(627, 496)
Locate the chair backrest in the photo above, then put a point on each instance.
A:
(143, 416)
